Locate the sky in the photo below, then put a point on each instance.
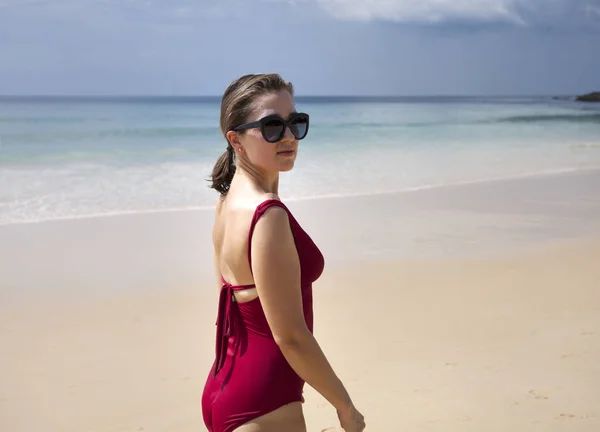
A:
(324, 47)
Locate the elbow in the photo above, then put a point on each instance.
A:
(293, 340)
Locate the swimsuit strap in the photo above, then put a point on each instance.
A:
(260, 210)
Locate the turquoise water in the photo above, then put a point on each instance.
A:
(63, 158)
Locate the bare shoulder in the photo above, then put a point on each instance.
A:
(263, 198)
(216, 228)
(270, 196)
(240, 205)
(220, 201)
(220, 204)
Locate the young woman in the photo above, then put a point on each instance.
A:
(265, 265)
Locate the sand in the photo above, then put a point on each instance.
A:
(466, 308)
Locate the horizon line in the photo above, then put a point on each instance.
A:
(307, 95)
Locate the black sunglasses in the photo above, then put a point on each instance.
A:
(273, 126)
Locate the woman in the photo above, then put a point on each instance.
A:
(265, 266)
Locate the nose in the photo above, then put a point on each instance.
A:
(288, 135)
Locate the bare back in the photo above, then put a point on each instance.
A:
(233, 217)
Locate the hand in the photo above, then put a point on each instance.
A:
(351, 420)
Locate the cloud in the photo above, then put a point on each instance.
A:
(420, 10)
(592, 11)
(176, 13)
(519, 12)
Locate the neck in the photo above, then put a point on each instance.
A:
(266, 182)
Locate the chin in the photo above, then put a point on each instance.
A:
(286, 167)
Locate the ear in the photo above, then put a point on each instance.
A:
(234, 139)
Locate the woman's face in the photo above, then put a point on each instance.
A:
(270, 157)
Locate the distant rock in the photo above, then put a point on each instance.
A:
(590, 97)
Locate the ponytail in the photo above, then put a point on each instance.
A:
(223, 171)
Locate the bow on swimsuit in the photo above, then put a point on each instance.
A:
(250, 377)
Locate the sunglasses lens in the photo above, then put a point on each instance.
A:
(299, 127)
(272, 130)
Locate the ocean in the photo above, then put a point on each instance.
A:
(81, 157)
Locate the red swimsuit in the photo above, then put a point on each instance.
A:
(250, 376)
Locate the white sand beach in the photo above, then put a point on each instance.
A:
(460, 308)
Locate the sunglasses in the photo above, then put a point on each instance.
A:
(273, 126)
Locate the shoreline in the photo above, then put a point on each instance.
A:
(141, 251)
(563, 172)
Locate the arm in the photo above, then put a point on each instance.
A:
(276, 269)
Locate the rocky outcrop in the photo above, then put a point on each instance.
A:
(590, 97)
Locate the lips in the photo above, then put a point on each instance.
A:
(286, 152)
